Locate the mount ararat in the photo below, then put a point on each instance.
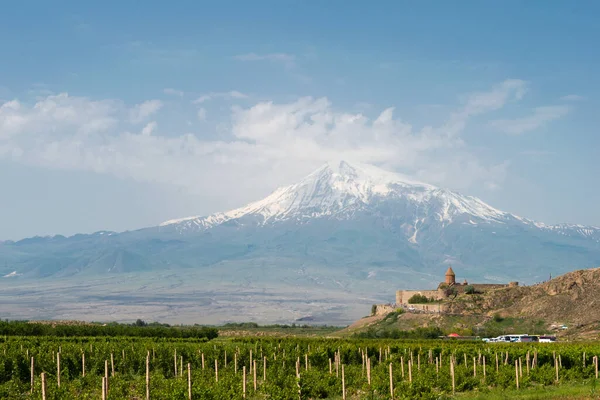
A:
(322, 250)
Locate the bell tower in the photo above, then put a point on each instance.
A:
(450, 277)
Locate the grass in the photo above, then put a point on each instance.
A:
(575, 391)
(251, 329)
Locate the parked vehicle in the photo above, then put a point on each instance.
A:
(528, 339)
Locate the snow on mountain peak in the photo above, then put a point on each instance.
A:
(340, 189)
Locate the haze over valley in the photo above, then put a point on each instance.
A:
(321, 250)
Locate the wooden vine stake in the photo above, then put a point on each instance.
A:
(106, 374)
(391, 383)
(517, 373)
(474, 368)
(483, 367)
(343, 384)
(175, 362)
(103, 388)
(556, 368)
(410, 371)
(216, 370)
(369, 371)
(148, 376)
(452, 375)
(402, 366)
(596, 365)
(189, 381)
(58, 369)
(235, 362)
(83, 364)
(112, 365)
(254, 374)
(520, 368)
(244, 382)
(43, 386)
(202, 360)
(330, 370)
(264, 368)
(32, 374)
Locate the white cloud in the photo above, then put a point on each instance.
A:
(233, 94)
(202, 114)
(483, 102)
(149, 128)
(266, 145)
(143, 110)
(572, 97)
(173, 92)
(540, 117)
(288, 60)
(51, 115)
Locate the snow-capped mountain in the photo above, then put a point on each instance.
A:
(342, 238)
(341, 190)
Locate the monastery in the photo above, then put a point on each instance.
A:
(442, 290)
(447, 289)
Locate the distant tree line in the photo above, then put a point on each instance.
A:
(137, 329)
(254, 325)
(394, 333)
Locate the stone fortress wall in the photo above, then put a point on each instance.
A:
(402, 296)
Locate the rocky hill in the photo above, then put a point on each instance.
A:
(567, 306)
(572, 298)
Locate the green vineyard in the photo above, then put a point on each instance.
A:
(291, 368)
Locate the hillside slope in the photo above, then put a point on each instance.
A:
(572, 300)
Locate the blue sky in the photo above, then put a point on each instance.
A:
(118, 116)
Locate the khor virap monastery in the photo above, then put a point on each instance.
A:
(445, 290)
(440, 293)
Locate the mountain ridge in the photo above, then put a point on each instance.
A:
(362, 184)
(326, 248)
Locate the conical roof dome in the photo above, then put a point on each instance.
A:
(450, 272)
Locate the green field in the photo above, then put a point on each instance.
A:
(168, 361)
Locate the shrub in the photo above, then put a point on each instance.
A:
(498, 317)
(469, 289)
(373, 309)
(418, 299)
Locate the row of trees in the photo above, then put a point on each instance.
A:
(138, 329)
